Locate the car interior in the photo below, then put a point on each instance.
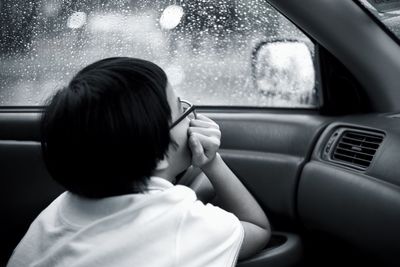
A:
(327, 177)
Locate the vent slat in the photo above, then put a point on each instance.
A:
(356, 148)
(371, 138)
(351, 158)
(356, 162)
(356, 152)
(363, 149)
(361, 141)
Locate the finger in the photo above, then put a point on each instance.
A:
(204, 118)
(210, 132)
(208, 143)
(206, 124)
(195, 146)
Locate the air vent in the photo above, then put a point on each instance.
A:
(356, 148)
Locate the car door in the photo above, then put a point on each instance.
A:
(268, 131)
(218, 58)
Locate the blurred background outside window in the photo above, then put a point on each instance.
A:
(204, 46)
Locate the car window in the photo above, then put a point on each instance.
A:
(206, 48)
(386, 11)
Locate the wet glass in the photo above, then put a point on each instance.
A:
(205, 47)
(386, 11)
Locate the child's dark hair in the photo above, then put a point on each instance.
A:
(103, 134)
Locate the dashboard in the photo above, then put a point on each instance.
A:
(350, 188)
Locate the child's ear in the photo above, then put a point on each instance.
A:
(162, 164)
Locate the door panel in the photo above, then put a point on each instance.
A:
(267, 151)
(270, 177)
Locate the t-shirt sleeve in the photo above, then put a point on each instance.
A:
(208, 236)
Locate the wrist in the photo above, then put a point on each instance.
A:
(209, 166)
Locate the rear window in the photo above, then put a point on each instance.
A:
(205, 47)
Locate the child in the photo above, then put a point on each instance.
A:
(116, 137)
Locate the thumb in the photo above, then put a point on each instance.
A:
(196, 148)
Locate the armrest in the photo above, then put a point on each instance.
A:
(283, 250)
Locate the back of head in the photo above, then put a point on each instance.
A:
(103, 134)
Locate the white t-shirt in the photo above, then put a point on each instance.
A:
(166, 226)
